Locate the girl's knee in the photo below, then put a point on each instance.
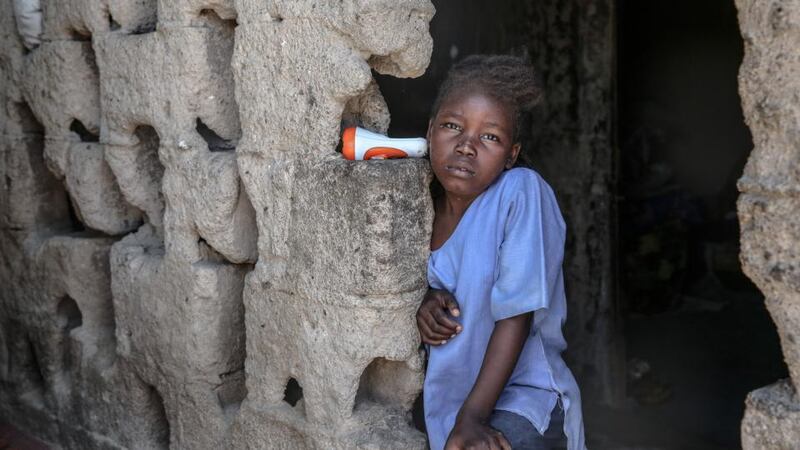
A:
(522, 435)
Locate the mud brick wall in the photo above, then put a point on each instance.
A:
(770, 203)
(185, 261)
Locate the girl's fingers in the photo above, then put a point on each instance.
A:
(442, 319)
(437, 327)
(426, 340)
(436, 330)
(451, 304)
(503, 442)
(500, 440)
(428, 335)
(430, 342)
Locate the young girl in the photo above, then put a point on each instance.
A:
(493, 316)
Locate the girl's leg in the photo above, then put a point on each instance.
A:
(521, 434)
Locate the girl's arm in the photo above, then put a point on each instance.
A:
(505, 346)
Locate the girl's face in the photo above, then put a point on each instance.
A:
(471, 142)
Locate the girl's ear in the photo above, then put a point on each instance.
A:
(512, 158)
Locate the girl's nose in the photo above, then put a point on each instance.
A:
(466, 146)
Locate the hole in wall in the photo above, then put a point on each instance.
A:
(148, 138)
(54, 205)
(79, 35)
(209, 253)
(144, 29)
(36, 370)
(68, 317)
(215, 142)
(27, 119)
(293, 392)
(158, 420)
(56, 201)
(386, 381)
(69, 314)
(78, 128)
(231, 392)
(215, 21)
(113, 25)
(392, 383)
(150, 143)
(418, 414)
(33, 376)
(369, 382)
(75, 223)
(91, 61)
(364, 110)
(151, 170)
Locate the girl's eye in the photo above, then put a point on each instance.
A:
(490, 137)
(450, 125)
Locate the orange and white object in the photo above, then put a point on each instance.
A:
(361, 144)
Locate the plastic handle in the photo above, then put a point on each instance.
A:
(386, 152)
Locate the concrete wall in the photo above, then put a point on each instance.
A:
(174, 221)
(186, 262)
(769, 204)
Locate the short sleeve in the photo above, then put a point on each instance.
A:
(531, 251)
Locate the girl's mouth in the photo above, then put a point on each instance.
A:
(460, 171)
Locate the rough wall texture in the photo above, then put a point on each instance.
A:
(342, 245)
(185, 260)
(770, 201)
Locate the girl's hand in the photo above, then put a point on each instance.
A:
(433, 322)
(470, 434)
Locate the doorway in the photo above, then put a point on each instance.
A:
(698, 337)
(643, 139)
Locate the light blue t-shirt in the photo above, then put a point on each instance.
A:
(504, 259)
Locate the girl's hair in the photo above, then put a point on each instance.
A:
(509, 79)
